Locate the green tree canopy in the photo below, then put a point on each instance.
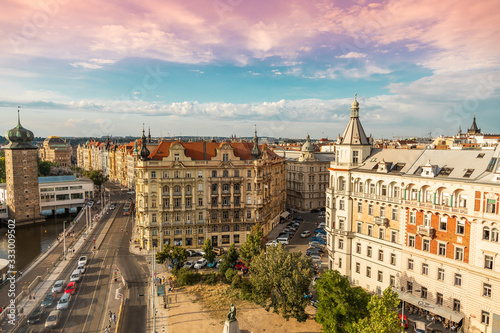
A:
(209, 251)
(97, 177)
(232, 255)
(253, 245)
(280, 279)
(176, 254)
(2, 170)
(383, 318)
(44, 167)
(340, 305)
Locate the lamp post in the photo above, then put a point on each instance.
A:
(64, 239)
(403, 309)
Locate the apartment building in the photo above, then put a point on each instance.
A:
(422, 221)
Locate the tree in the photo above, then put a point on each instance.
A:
(232, 255)
(382, 316)
(44, 168)
(176, 254)
(209, 251)
(97, 177)
(340, 305)
(253, 245)
(2, 170)
(280, 279)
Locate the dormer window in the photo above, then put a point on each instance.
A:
(491, 165)
(225, 157)
(355, 157)
(468, 173)
(176, 157)
(445, 171)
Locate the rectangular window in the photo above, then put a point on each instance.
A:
(456, 305)
(188, 174)
(393, 259)
(394, 236)
(425, 269)
(341, 205)
(392, 281)
(413, 217)
(341, 244)
(380, 276)
(355, 157)
(370, 209)
(426, 245)
(410, 264)
(359, 227)
(200, 201)
(409, 286)
(423, 293)
(490, 205)
(485, 317)
(249, 173)
(459, 253)
(439, 299)
(442, 249)
(368, 271)
(443, 223)
(427, 220)
(457, 281)
(488, 262)
(411, 241)
(381, 233)
(440, 275)
(381, 255)
(225, 157)
(486, 290)
(340, 262)
(370, 230)
(153, 174)
(394, 215)
(460, 227)
(358, 248)
(358, 267)
(200, 174)
(369, 251)
(153, 218)
(360, 207)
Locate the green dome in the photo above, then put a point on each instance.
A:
(19, 137)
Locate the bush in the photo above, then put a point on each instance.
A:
(224, 265)
(236, 281)
(230, 273)
(210, 279)
(186, 277)
(246, 289)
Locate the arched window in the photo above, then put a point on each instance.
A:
(166, 190)
(177, 189)
(214, 187)
(225, 174)
(486, 233)
(494, 235)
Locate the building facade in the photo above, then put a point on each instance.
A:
(424, 222)
(55, 149)
(307, 178)
(21, 170)
(187, 192)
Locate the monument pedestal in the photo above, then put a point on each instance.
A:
(231, 327)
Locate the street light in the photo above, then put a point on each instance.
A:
(64, 239)
(403, 309)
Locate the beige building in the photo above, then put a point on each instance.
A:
(425, 222)
(188, 192)
(55, 149)
(307, 177)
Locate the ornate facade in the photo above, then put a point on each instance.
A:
(422, 221)
(191, 191)
(55, 149)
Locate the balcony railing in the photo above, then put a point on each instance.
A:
(380, 220)
(426, 231)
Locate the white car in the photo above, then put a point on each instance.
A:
(322, 225)
(188, 264)
(63, 303)
(58, 286)
(112, 207)
(282, 240)
(200, 263)
(82, 260)
(320, 235)
(305, 233)
(272, 243)
(81, 268)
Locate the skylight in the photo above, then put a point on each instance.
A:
(445, 171)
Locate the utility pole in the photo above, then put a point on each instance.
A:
(153, 290)
(64, 239)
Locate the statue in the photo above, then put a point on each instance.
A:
(231, 316)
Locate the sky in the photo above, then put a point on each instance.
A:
(219, 67)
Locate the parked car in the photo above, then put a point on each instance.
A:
(272, 243)
(47, 301)
(53, 319)
(200, 263)
(419, 326)
(239, 265)
(315, 258)
(131, 192)
(219, 250)
(200, 253)
(322, 236)
(315, 303)
(315, 279)
(283, 240)
(82, 260)
(315, 210)
(320, 231)
(317, 244)
(36, 315)
(305, 233)
(212, 264)
(81, 268)
(63, 303)
(191, 253)
(319, 240)
(405, 321)
(70, 288)
(58, 286)
(322, 214)
(188, 264)
(299, 218)
(322, 225)
(314, 251)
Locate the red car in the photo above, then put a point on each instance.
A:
(70, 288)
(239, 265)
(405, 321)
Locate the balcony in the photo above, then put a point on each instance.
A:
(380, 220)
(426, 231)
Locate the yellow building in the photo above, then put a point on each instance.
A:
(55, 149)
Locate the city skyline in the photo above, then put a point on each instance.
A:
(218, 68)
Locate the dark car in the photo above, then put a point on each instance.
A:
(48, 301)
(36, 315)
(316, 210)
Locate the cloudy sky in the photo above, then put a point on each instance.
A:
(217, 67)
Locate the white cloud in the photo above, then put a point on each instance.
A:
(84, 64)
(352, 55)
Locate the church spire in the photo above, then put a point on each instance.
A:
(144, 150)
(255, 152)
(354, 133)
(355, 107)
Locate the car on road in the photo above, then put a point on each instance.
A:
(63, 303)
(81, 268)
(112, 207)
(299, 218)
(219, 250)
(419, 327)
(75, 276)
(47, 301)
(131, 192)
(315, 210)
(305, 233)
(188, 264)
(82, 260)
(53, 319)
(91, 204)
(58, 286)
(200, 263)
(70, 288)
(36, 315)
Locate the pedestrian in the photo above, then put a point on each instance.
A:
(114, 318)
(34, 296)
(29, 298)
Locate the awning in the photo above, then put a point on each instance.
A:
(432, 308)
(285, 214)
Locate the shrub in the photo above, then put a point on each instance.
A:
(236, 281)
(230, 273)
(186, 277)
(246, 289)
(210, 279)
